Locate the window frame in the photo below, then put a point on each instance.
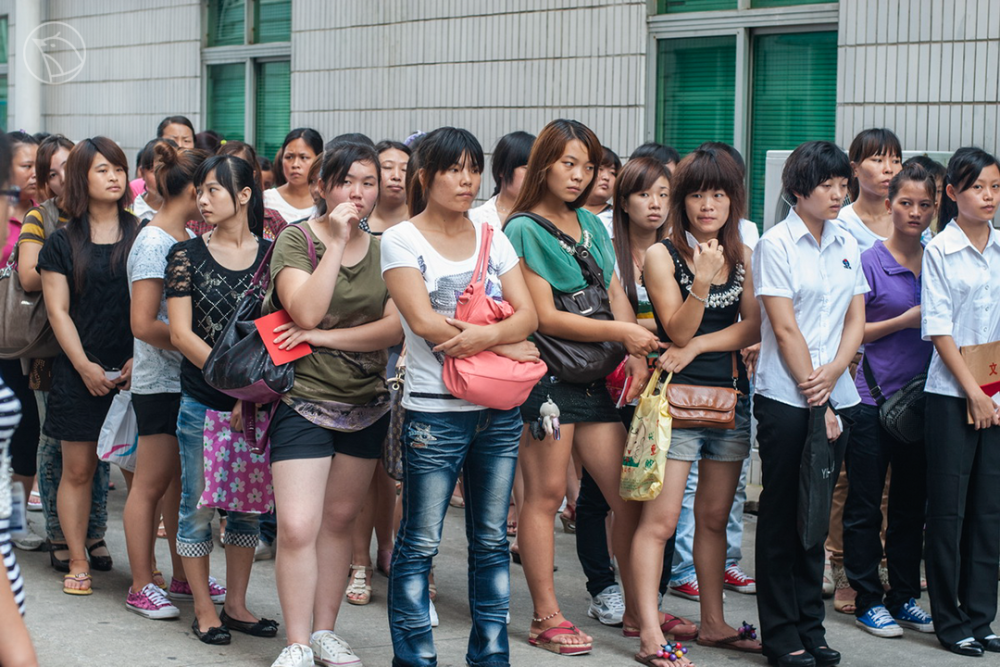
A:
(247, 54)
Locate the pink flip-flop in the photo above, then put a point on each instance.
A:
(544, 640)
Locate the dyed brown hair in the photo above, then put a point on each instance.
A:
(43, 161)
(546, 151)
(708, 169)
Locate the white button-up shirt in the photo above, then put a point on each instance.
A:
(961, 288)
(821, 280)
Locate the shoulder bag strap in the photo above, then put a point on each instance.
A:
(483, 262)
(873, 386)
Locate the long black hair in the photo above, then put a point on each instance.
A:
(234, 174)
(436, 152)
(964, 168)
(76, 197)
(312, 138)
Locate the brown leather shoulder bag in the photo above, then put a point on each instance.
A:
(695, 406)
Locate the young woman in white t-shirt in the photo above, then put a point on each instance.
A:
(291, 197)
(876, 156)
(427, 262)
(961, 279)
(509, 164)
(156, 381)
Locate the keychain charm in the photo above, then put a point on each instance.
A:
(547, 422)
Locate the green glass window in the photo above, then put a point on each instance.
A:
(226, 100)
(3, 102)
(273, 106)
(678, 6)
(3, 40)
(756, 4)
(227, 22)
(696, 91)
(793, 99)
(272, 21)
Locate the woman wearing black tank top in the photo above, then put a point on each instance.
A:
(701, 289)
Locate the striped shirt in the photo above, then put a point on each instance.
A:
(10, 416)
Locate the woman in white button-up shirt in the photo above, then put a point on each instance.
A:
(961, 285)
(808, 276)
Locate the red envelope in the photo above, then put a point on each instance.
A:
(266, 326)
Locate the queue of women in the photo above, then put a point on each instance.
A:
(368, 247)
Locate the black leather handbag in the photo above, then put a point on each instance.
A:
(902, 414)
(570, 360)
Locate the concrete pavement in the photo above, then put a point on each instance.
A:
(97, 630)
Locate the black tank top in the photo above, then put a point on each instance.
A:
(711, 369)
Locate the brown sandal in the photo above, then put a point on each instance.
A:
(746, 632)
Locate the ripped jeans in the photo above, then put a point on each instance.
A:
(482, 444)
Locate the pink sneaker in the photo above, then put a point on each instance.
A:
(180, 590)
(150, 602)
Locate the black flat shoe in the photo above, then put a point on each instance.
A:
(825, 656)
(265, 627)
(803, 659)
(100, 563)
(58, 564)
(218, 636)
(969, 648)
(992, 645)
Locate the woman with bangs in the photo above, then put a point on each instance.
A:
(427, 262)
(290, 196)
(509, 163)
(85, 283)
(600, 200)
(701, 287)
(876, 156)
(558, 181)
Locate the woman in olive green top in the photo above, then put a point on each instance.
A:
(327, 432)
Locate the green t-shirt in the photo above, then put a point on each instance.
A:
(547, 257)
(360, 296)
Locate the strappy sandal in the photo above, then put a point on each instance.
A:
(671, 652)
(677, 628)
(746, 633)
(544, 639)
(159, 575)
(844, 596)
(568, 522)
(359, 586)
(100, 563)
(58, 564)
(79, 578)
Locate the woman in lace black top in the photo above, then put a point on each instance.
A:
(206, 278)
(86, 295)
(701, 288)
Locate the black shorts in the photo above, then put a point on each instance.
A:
(578, 403)
(292, 437)
(156, 414)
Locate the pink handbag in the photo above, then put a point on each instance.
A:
(488, 379)
(236, 478)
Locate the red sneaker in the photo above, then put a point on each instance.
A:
(737, 580)
(688, 590)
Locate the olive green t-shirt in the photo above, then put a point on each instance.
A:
(359, 297)
(546, 256)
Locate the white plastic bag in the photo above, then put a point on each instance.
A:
(119, 439)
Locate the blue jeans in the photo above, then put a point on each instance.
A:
(482, 445)
(683, 571)
(50, 474)
(194, 531)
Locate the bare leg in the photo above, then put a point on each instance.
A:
(15, 649)
(73, 501)
(197, 570)
(158, 466)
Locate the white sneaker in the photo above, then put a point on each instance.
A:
(29, 540)
(264, 551)
(435, 621)
(329, 649)
(294, 655)
(608, 606)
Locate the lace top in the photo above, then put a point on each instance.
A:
(215, 292)
(711, 369)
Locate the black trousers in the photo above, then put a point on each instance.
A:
(870, 452)
(24, 443)
(592, 534)
(963, 520)
(789, 578)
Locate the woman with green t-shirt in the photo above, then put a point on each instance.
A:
(558, 181)
(327, 433)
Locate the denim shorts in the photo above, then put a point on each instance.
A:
(714, 444)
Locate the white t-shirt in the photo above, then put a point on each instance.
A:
(749, 233)
(855, 226)
(274, 200)
(404, 246)
(820, 279)
(154, 371)
(607, 216)
(142, 210)
(487, 213)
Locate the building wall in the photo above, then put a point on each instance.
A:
(489, 66)
(143, 63)
(925, 68)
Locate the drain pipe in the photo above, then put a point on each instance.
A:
(26, 97)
